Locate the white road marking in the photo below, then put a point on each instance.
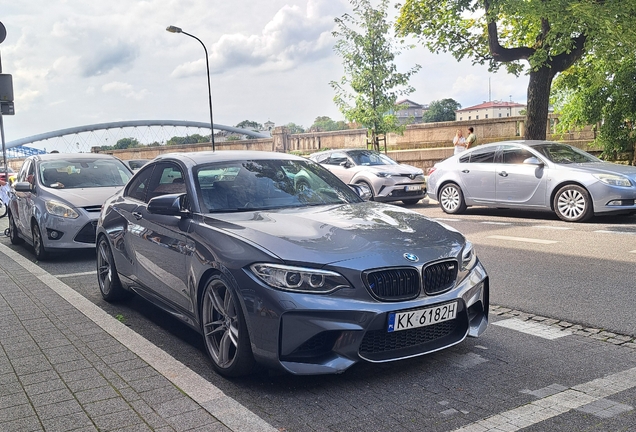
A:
(495, 223)
(534, 328)
(551, 227)
(448, 220)
(554, 405)
(76, 274)
(227, 410)
(634, 251)
(523, 239)
(615, 232)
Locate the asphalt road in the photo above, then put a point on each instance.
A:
(580, 273)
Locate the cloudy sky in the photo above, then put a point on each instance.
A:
(76, 62)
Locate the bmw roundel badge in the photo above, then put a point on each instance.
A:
(411, 257)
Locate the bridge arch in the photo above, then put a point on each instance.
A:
(128, 124)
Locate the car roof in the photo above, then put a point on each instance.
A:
(64, 156)
(204, 157)
(529, 143)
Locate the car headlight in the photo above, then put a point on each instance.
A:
(62, 210)
(613, 179)
(299, 279)
(468, 256)
(383, 174)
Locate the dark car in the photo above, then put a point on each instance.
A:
(305, 276)
(57, 199)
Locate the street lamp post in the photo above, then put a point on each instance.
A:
(173, 29)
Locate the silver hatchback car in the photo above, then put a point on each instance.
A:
(57, 199)
(387, 179)
(534, 175)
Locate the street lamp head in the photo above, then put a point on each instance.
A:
(173, 29)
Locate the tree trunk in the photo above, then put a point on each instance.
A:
(538, 102)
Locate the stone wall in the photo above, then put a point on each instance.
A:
(421, 145)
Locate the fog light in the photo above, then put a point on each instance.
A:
(53, 234)
(627, 202)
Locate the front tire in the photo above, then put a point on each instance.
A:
(451, 199)
(107, 278)
(362, 182)
(38, 243)
(572, 203)
(224, 329)
(13, 232)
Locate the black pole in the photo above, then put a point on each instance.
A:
(207, 64)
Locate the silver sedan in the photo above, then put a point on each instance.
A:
(534, 175)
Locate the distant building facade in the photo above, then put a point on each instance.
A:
(410, 112)
(490, 110)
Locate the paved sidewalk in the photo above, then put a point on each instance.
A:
(65, 365)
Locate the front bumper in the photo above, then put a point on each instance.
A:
(64, 233)
(397, 193)
(612, 199)
(324, 335)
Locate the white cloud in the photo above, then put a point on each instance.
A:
(124, 89)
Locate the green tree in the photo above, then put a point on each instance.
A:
(294, 128)
(602, 92)
(550, 36)
(326, 124)
(188, 139)
(441, 110)
(125, 143)
(368, 55)
(251, 125)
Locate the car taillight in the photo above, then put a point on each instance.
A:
(430, 171)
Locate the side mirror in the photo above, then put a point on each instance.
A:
(533, 161)
(23, 187)
(345, 164)
(169, 205)
(362, 190)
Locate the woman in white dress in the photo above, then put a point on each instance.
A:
(459, 142)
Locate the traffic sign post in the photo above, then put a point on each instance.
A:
(6, 102)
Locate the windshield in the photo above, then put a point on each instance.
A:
(368, 157)
(268, 184)
(83, 173)
(564, 154)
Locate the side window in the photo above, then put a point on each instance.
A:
(321, 158)
(514, 155)
(166, 179)
(337, 158)
(486, 155)
(138, 188)
(22, 175)
(464, 159)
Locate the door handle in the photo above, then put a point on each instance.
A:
(465, 171)
(503, 174)
(137, 215)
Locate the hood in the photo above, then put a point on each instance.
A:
(605, 168)
(83, 197)
(394, 169)
(380, 233)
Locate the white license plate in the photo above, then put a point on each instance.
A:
(413, 188)
(421, 317)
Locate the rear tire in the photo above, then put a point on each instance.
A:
(224, 329)
(451, 199)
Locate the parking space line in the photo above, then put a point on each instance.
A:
(556, 404)
(615, 232)
(551, 227)
(533, 328)
(448, 220)
(523, 239)
(495, 223)
(634, 251)
(76, 274)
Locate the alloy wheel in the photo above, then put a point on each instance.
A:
(221, 324)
